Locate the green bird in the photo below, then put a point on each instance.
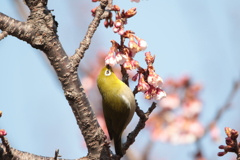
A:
(118, 105)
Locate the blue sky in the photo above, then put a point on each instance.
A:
(199, 38)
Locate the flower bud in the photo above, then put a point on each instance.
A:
(134, 78)
(221, 147)
(110, 59)
(115, 8)
(141, 43)
(115, 30)
(127, 65)
(160, 94)
(120, 58)
(106, 23)
(228, 131)
(118, 23)
(220, 154)
(149, 59)
(142, 85)
(131, 12)
(234, 134)
(2, 133)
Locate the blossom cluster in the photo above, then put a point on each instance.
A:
(177, 122)
(148, 81)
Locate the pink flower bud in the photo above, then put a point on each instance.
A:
(115, 8)
(221, 147)
(141, 43)
(115, 30)
(121, 31)
(110, 59)
(118, 23)
(228, 131)
(134, 64)
(147, 95)
(110, 23)
(106, 23)
(127, 65)
(220, 154)
(149, 59)
(134, 78)
(120, 58)
(142, 85)
(94, 11)
(229, 141)
(2, 133)
(133, 46)
(154, 79)
(160, 94)
(131, 12)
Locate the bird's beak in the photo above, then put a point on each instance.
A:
(108, 66)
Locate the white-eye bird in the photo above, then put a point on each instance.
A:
(118, 105)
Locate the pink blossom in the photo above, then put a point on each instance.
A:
(134, 78)
(127, 65)
(110, 59)
(106, 23)
(215, 133)
(120, 58)
(133, 46)
(141, 43)
(159, 94)
(142, 85)
(118, 24)
(121, 31)
(192, 108)
(115, 29)
(134, 64)
(172, 101)
(196, 128)
(154, 79)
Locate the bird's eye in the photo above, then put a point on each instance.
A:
(108, 73)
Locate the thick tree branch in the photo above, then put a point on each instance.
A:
(15, 28)
(40, 32)
(84, 45)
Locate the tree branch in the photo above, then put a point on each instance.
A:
(3, 35)
(84, 45)
(141, 124)
(40, 32)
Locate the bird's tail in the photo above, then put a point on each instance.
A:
(118, 145)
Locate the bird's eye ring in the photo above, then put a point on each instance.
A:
(108, 72)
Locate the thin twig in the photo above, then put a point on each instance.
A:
(56, 154)
(3, 35)
(84, 45)
(7, 146)
(141, 124)
(226, 106)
